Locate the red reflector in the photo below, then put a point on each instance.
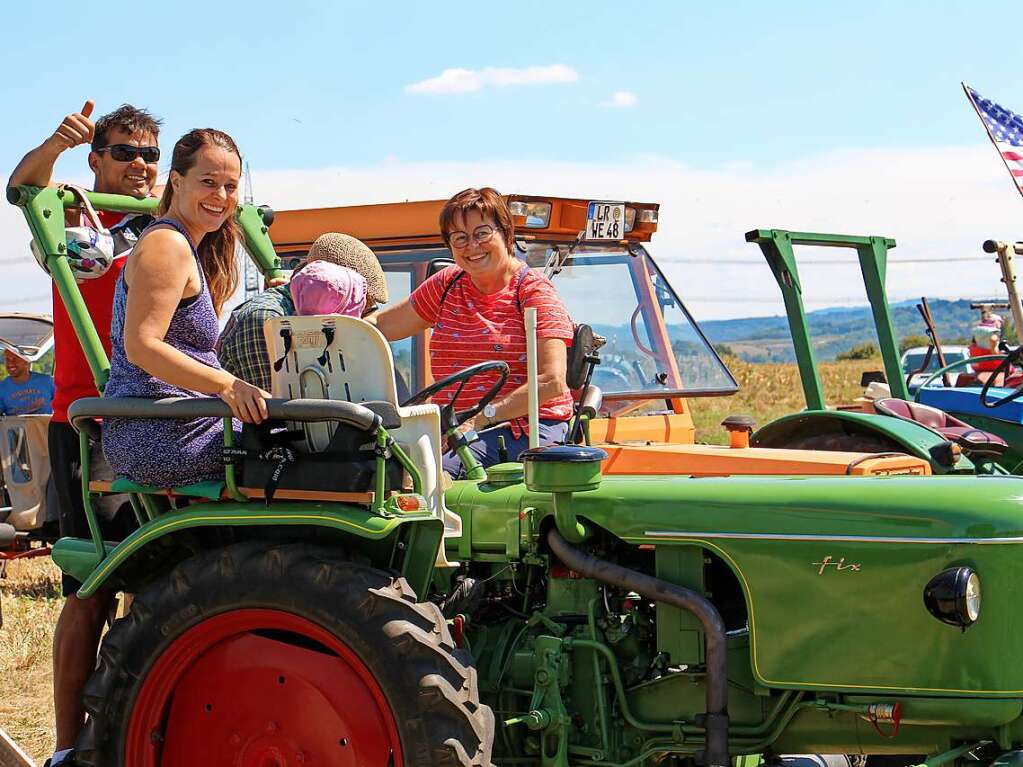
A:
(560, 571)
(411, 502)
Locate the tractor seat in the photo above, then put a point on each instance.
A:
(973, 441)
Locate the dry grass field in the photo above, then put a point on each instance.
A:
(30, 593)
(31, 589)
(769, 391)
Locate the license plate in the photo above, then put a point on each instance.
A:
(605, 221)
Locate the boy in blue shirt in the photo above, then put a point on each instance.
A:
(24, 392)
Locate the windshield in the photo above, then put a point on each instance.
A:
(654, 348)
(653, 344)
(914, 360)
(29, 336)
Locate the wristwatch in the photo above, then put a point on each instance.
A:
(490, 413)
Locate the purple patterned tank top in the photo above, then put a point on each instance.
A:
(193, 330)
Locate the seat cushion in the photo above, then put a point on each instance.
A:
(926, 415)
(975, 442)
(210, 489)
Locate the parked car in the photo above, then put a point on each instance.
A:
(913, 360)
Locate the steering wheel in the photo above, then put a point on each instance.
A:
(949, 368)
(1013, 357)
(449, 416)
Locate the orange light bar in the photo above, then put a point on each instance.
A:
(416, 223)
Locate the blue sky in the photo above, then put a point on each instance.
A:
(759, 97)
(323, 83)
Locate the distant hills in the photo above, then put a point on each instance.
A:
(835, 330)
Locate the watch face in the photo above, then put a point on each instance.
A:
(489, 411)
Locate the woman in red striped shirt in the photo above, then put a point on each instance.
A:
(476, 310)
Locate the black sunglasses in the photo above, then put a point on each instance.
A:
(128, 152)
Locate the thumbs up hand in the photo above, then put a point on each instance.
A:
(75, 129)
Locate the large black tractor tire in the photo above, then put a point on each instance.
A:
(348, 616)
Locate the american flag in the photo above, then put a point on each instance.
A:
(1005, 129)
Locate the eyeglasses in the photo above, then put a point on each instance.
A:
(480, 235)
(128, 152)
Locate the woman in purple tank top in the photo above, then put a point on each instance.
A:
(166, 305)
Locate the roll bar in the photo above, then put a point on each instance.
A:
(43, 211)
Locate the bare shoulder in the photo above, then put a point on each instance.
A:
(163, 243)
(163, 253)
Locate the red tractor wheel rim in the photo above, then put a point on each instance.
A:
(260, 688)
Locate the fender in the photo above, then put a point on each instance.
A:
(912, 438)
(79, 558)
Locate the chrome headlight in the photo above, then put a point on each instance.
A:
(953, 596)
(973, 597)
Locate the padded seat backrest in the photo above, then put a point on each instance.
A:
(329, 357)
(926, 415)
(974, 442)
(346, 358)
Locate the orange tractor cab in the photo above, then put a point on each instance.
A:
(655, 360)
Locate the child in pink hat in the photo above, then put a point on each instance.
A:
(985, 337)
(322, 287)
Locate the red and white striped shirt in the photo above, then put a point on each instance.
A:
(472, 327)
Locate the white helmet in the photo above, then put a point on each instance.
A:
(90, 248)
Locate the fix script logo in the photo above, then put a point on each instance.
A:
(838, 564)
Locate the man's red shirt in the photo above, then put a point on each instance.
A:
(72, 377)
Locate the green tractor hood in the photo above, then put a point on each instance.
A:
(852, 551)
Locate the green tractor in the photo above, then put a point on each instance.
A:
(361, 612)
(895, 423)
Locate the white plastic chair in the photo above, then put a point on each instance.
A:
(24, 453)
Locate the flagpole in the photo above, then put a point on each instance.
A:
(990, 135)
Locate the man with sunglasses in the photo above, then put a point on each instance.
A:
(123, 158)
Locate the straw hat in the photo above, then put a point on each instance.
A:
(344, 250)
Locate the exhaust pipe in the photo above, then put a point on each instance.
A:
(715, 721)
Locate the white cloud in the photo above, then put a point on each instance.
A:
(621, 100)
(468, 80)
(937, 203)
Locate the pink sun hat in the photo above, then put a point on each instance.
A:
(991, 320)
(321, 287)
(987, 332)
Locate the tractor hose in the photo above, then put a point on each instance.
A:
(716, 719)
